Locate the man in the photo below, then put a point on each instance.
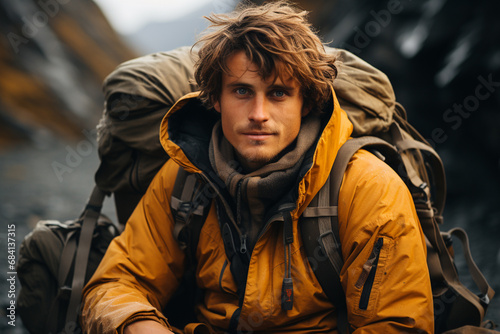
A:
(263, 134)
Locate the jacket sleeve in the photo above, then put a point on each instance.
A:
(385, 274)
(141, 268)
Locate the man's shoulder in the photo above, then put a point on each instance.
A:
(366, 169)
(367, 161)
(167, 174)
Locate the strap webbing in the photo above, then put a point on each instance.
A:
(487, 292)
(406, 144)
(327, 211)
(67, 257)
(345, 154)
(185, 207)
(182, 194)
(431, 231)
(89, 221)
(328, 231)
(330, 240)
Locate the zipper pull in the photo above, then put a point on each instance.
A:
(370, 263)
(243, 244)
(287, 294)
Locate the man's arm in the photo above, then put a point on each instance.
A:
(146, 327)
(141, 268)
(385, 274)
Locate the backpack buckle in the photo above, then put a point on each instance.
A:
(184, 211)
(484, 299)
(64, 292)
(321, 243)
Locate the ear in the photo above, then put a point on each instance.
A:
(217, 106)
(305, 110)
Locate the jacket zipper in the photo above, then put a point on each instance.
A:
(215, 187)
(367, 276)
(243, 238)
(243, 235)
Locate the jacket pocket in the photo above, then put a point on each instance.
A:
(221, 275)
(367, 276)
(226, 282)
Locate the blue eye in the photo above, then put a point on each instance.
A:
(241, 91)
(279, 93)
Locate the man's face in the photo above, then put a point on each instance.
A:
(259, 117)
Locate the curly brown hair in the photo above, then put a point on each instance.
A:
(276, 37)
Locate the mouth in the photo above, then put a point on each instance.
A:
(257, 135)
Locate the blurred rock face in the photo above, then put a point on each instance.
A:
(54, 55)
(443, 58)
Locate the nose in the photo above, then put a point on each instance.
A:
(259, 111)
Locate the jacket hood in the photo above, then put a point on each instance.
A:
(186, 129)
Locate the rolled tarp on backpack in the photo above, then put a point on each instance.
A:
(138, 93)
(364, 92)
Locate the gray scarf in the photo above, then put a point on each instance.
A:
(256, 192)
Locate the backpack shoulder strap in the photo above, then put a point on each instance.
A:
(325, 205)
(190, 207)
(189, 203)
(320, 229)
(486, 292)
(89, 221)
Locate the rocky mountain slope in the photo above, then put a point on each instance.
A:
(54, 55)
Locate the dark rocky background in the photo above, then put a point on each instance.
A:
(443, 58)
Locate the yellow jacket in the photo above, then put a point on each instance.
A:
(143, 267)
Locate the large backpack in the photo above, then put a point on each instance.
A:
(138, 94)
(380, 126)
